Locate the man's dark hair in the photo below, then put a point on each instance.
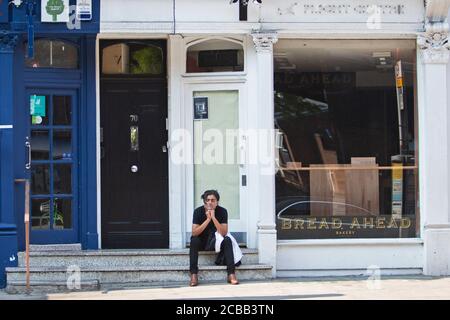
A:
(209, 193)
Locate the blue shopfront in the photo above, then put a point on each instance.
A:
(47, 124)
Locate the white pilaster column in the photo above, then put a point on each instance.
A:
(267, 234)
(434, 160)
(175, 122)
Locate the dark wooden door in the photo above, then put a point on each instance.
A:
(134, 164)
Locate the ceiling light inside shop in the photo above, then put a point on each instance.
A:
(381, 54)
(383, 59)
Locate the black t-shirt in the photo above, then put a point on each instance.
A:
(221, 215)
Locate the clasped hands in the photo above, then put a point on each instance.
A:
(210, 213)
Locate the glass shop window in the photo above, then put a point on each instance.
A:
(53, 54)
(215, 56)
(346, 120)
(132, 58)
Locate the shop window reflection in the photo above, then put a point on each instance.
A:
(346, 146)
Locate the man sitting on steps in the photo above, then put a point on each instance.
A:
(208, 219)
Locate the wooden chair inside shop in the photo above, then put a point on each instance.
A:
(343, 192)
(286, 161)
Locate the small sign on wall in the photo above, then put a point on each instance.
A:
(84, 10)
(3, 11)
(54, 11)
(200, 108)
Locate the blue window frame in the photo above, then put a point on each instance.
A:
(52, 123)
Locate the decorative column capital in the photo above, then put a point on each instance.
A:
(264, 40)
(8, 41)
(434, 43)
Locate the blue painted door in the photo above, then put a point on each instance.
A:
(52, 165)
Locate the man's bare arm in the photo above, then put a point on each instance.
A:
(222, 228)
(197, 229)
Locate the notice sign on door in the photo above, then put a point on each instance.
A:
(37, 106)
(54, 10)
(200, 108)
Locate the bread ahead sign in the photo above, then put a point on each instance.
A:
(54, 10)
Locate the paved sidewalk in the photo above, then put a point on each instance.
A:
(405, 288)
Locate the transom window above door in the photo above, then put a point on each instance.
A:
(215, 55)
(132, 58)
(53, 54)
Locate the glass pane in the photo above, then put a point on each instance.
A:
(53, 54)
(216, 152)
(343, 203)
(40, 179)
(39, 110)
(40, 214)
(146, 59)
(346, 141)
(215, 56)
(134, 138)
(115, 59)
(63, 55)
(62, 214)
(62, 145)
(62, 179)
(40, 146)
(62, 110)
(41, 54)
(132, 58)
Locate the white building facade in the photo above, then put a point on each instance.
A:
(318, 110)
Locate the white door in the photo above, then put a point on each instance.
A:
(216, 123)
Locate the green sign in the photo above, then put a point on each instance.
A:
(54, 10)
(37, 106)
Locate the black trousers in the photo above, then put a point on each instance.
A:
(199, 244)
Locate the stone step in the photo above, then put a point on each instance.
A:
(124, 258)
(128, 276)
(20, 286)
(55, 247)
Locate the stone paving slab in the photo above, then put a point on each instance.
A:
(397, 288)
